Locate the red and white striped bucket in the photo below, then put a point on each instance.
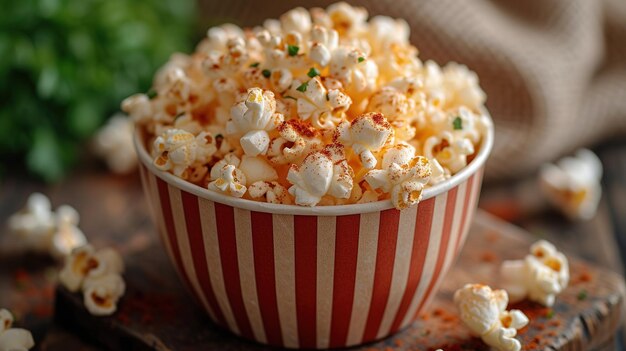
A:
(320, 277)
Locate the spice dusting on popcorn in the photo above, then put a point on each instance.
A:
(319, 107)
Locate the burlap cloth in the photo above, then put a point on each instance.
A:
(554, 71)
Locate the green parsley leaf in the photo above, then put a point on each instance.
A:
(549, 314)
(292, 50)
(289, 97)
(256, 64)
(266, 73)
(457, 123)
(302, 87)
(582, 295)
(313, 72)
(151, 94)
(361, 59)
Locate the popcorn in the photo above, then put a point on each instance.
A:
(322, 172)
(366, 134)
(277, 94)
(16, 339)
(37, 228)
(450, 151)
(35, 224)
(227, 178)
(402, 177)
(540, 276)
(573, 184)
(177, 150)
(484, 312)
(85, 263)
(296, 140)
(114, 142)
(67, 236)
(272, 192)
(102, 293)
(254, 118)
(6, 320)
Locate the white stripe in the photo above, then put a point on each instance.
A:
(455, 229)
(364, 279)
(326, 228)
(430, 261)
(284, 267)
(471, 207)
(401, 265)
(213, 261)
(159, 220)
(245, 258)
(178, 213)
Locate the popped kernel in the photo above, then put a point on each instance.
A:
(283, 95)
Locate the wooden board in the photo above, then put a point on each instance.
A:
(157, 314)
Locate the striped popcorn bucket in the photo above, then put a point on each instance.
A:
(321, 277)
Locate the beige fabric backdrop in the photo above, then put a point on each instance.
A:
(554, 71)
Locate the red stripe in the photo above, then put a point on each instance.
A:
(305, 241)
(198, 254)
(385, 256)
(166, 210)
(263, 246)
(443, 245)
(230, 267)
(425, 210)
(466, 210)
(346, 248)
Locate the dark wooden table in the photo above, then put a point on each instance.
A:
(113, 213)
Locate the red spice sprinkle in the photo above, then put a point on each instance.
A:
(301, 127)
(488, 257)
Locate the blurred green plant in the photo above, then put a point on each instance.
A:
(65, 66)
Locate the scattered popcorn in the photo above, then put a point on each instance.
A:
(67, 236)
(114, 143)
(573, 184)
(366, 134)
(13, 339)
(484, 312)
(281, 92)
(84, 262)
(102, 293)
(542, 275)
(227, 178)
(40, 229)
(98, 275)
(322, 172)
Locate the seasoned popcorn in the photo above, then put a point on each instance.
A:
(312, 102)
(483, 311)
(13, 339)
(540, 277)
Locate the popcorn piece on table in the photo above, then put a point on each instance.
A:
(227, 178)
(366, 134)
(102, 293)
(484, 312)
(272, 192)
(67, 236)
(297, 139)
(322, 172)
(13, 339)
(114, 143)
(542, 275)
(177, 149)
(403, 175)
(325, 108)
(573, 184)
(34, 225)
(84, 262)
(254, 118)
